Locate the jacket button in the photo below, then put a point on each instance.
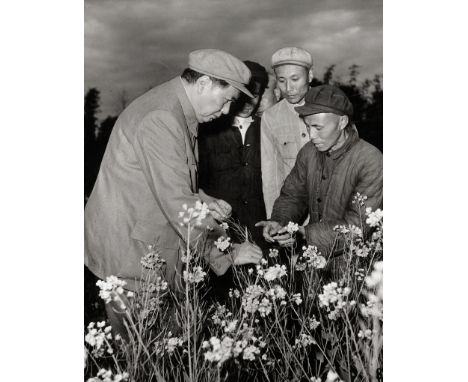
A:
(245, 202)
(324, 177)
(245, 163)
(319, 200)
(303, 135)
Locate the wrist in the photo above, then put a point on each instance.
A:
(205, 197)
(301, 231)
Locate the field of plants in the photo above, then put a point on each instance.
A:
(309, 318)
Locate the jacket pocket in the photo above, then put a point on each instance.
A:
(162, 235)
(287, 146)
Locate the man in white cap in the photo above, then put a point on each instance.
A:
(149, 171)
(283, 132)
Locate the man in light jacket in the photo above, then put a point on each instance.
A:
(149, 171)
(283, 132)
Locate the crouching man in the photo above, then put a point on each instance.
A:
(329, 171)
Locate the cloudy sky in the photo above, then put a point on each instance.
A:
(132, 45)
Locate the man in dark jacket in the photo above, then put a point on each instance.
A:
(230, 167)
(329, 171)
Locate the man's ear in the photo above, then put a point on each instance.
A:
(311, 75)
(204, 82)
(344, 120)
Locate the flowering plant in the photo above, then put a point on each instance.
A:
(319, 319)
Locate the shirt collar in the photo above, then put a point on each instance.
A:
(293, 106)
(352, 138)
(241, 121)
(187, 107)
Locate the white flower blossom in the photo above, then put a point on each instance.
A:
(234, 293)
(219, 351)
(332, 377)
(304, 340)
(230, 326)
(172, 343)
(99, 337)
(275, 272)
(362, 251)
(264, 307)
(111, 289)
(375, 218)
(223, 243)
(196, 276)
(250, 300)
(365, 334)
(152, 260)
(292, 228)
(313, 258)
(277, 292)
(273, 253)
(297, 298)
(334, 298)
(359, 199)
(105, 375)
(250, 352)
(194, 215)
(312, 323)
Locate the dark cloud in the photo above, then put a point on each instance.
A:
(132, 45)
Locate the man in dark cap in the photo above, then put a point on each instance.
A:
(230, 167)
(329, 171)
(149, 171)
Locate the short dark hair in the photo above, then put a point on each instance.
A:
(259, 73)
(191, 76)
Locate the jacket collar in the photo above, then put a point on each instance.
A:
(187, 107)
(353, 138)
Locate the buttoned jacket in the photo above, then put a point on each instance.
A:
(324, 185)
(148, 172)
(230, 169)
(283, 134)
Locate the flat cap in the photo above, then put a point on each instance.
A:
(325, 99)
(222, 65)
(291, 55)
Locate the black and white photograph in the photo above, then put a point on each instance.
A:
(221, 217)
(233, 190)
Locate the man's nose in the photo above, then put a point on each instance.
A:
(288, 86)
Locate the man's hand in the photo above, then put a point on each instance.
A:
(270, 229)
(246, 253)
(285, 239)
(220, 209)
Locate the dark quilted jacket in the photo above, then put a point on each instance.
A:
(325, 183)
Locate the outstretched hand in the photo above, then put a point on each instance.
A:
(270, 229)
